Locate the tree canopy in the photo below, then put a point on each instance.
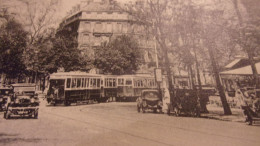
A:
(120, 56)
(12, 44)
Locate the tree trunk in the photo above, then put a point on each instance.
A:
(43, 87)
(191, 76)
(254, 70)
(222, 95)
(203, 98)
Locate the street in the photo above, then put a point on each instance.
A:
(119, 124)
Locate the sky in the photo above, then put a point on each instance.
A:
(66, 5)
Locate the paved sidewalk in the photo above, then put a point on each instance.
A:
(216, 112)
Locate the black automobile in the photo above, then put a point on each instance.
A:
(185, 103)
(5, 93)
(149, 99)
(24, 102)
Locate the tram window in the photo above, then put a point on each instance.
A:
(149, 83)
(114, 82)
(128, 82)
(87, 79)
(78, 83)
(68, 83)
(98, 82)
(120, 81)
(141, 83)
(90, 82)
(145, 82)
(83, 82)
(74, 81)
(94, 82)
(102, 82)
(110, 82)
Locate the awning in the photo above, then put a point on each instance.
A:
(247, 70)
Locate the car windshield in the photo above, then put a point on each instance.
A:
(24, 90)
(151, 95)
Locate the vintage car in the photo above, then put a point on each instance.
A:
(24, 101)
(185, 103)
(150, 99)
(5, 93)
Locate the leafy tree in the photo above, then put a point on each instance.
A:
(178, 27)
(120, 56)
(60, 51)
(246, 32)
(12, 44)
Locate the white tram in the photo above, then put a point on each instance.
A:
(131, 86)
(73, 87)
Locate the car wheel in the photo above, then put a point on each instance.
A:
(36, 115)
(160, 110)
(155, 110)
(67, 103)
(176, 111)
(169, 111)
(7, 115)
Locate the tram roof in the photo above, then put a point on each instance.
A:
(137, 75)
(71, 74)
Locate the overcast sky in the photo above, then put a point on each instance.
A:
(66, 5)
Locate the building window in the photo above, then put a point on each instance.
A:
(98, 27)
(87, 26)
(109, 27)
(118, 28)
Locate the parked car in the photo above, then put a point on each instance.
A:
(24, 102)
(185, 103)
(149, 99)
(5, 93)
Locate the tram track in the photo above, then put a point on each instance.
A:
(122, 117)
(111, 129)
(170, 126)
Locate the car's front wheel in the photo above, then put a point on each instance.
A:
(36, 115)
(7, 115)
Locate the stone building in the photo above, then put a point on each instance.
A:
(93, 22)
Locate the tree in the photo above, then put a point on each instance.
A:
(61, 51)
(120, 56)
(157, 20)
(178, 27)
(39, 20)
(12, 44)
(246, 32)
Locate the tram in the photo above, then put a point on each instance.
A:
(109, 87)
(131, 86)
(73, 87)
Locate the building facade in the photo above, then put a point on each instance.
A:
(94, 22)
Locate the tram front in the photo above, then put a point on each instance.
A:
(56, 91)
